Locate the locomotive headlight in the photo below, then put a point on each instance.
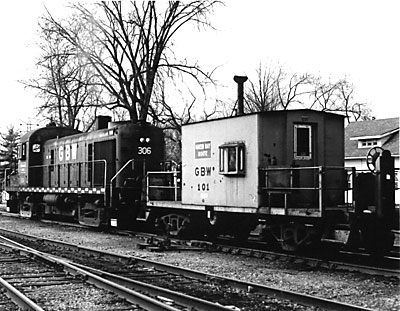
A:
(147, 139)
(141, 139)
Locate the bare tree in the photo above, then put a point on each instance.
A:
(324, 97)
(130, 46)
(276, 89)
(172, 117)
(64, 80)
(291, 88)
(352, 111)
(261, 95)
(338, 96)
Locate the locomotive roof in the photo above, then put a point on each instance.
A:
(272, 112)
(103, 133)
(45, 133)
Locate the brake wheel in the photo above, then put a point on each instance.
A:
(372, 155)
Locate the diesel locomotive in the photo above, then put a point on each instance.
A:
(95, 178)
(280, 172)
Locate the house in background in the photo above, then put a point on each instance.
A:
(361, 136)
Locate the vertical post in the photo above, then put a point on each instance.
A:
(240, 80)
(175, 186)
(320, 183)
(105, 182)
(147, 187)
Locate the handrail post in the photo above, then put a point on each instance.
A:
(105, 181)
(320, 182)
(148, 186)
(175, 186)
(5, 176)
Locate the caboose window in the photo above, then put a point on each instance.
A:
(302, 142)
(231, 159)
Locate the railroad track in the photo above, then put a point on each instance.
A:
(138, 273)
(349, 261)
(153, 298)
(38, 282)
(388, 266)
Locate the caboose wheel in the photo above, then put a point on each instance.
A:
(175, 224)
(293, 237)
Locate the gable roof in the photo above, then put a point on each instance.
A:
(387, 130)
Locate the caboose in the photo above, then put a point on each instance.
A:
(280, 171)
(96, 177)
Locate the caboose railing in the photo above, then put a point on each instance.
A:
(163, 186)
(310, 189)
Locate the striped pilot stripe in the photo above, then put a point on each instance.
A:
(65, 190)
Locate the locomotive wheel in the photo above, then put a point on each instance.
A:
(293, 237)
(174, 224)
(40, 211)
(25, 209)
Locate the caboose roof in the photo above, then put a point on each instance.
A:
(277, 112)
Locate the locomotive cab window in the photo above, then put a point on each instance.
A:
(232, 159)
(302, 142)
(22, 151)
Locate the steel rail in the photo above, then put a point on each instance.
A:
(19, 298)
(314, 262)
(132, 296)
(186, 300)
(275, 292)
(183, 299)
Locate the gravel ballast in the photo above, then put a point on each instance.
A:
(374, 292)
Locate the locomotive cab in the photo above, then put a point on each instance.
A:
(30, 166)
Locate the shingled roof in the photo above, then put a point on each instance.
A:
(386, 130)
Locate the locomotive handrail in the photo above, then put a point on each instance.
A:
(78, 162)
(121, 169)
(114, 177)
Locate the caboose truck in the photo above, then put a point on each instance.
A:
(94, 177)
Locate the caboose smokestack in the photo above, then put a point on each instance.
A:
(240, 80)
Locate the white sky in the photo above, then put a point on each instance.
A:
(357, 39)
